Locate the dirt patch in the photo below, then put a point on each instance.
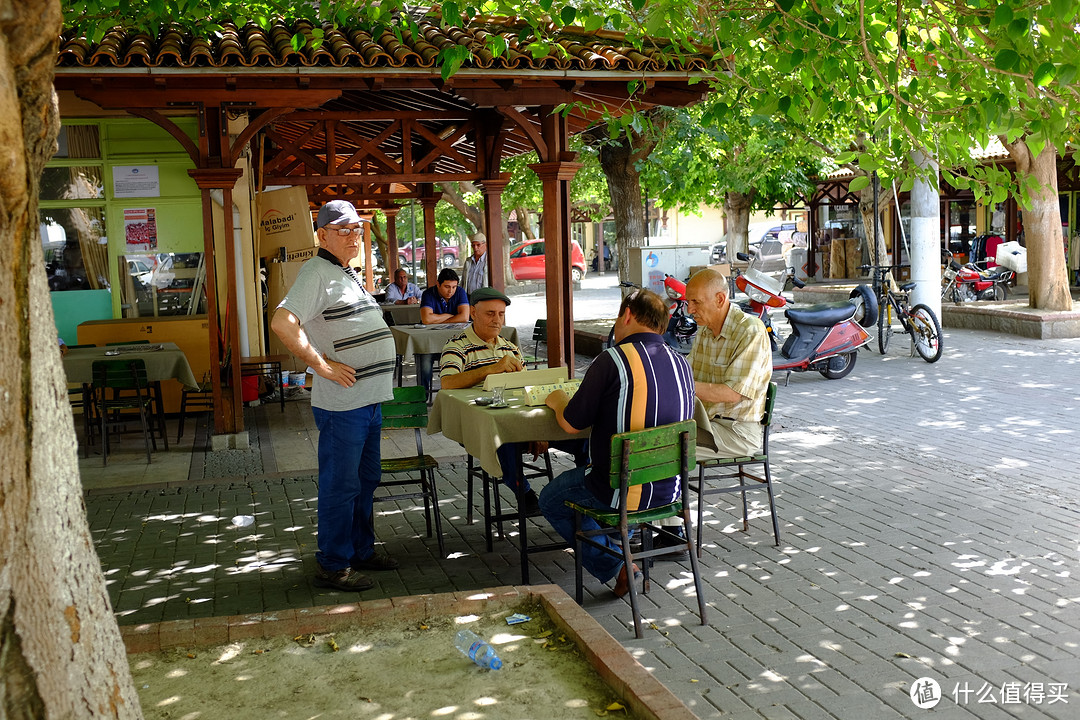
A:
(395, 671)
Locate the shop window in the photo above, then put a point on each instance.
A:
(75, 247)
(162, 284)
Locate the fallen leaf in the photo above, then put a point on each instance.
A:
(693, 679)
(191, 655)
(333, 644)
(903, 655)
(616, 706)
(546, 633)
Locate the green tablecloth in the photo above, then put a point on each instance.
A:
(168, 362)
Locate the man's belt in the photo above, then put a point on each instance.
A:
(724, 417)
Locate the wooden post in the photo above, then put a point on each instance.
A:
(391, 214)
(431, 244)
(497, 245)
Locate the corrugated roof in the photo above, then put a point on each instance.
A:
(252, 46)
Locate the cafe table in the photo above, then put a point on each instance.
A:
(420, 339)
(481, 430)
(402, 314)
(163, 361)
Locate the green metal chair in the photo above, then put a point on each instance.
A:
(640, 457)
(409, 409)
(119, 390)
(194, 400)
(736, 468)
(539, 336)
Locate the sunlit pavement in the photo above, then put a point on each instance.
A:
(929, 519)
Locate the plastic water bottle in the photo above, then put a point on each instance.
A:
(477, 649)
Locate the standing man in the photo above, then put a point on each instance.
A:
(732, 365)
(476, 265)
(638, 383)
(445, 302)
(329, 321)
(401, 291)
(480, 351)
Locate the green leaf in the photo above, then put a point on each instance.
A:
(638, 4)
(568, 14)
(858, 183)
(1066, 74)
(786, 5)
(1018, 28)
(1002, 16)
(907, 185)
(1006, 59)
(1064, 10)
(297, 41)
(845, 157)
(451, 13)
(868, 163)
(1044, 74)
(594, 23)
(797, 56)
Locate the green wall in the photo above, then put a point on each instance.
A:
(72, 307)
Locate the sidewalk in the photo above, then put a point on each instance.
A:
(928, 529)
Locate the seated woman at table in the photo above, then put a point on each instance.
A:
(480, 351)
(442, 303)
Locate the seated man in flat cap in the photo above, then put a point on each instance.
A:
(478, 351)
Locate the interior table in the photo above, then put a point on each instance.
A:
(401, 314)
(164, 361)
(481, 430)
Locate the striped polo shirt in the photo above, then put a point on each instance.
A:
(640, 383)
(343, 321)
(466, 351)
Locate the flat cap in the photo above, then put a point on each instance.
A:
(487, 293)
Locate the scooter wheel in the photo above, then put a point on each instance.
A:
(866, 304)
(839, 366)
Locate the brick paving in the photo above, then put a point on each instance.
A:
(929, 520)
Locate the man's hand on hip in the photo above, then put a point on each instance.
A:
(344, 375)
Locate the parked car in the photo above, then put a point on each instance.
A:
(527, 261)
(449, 254)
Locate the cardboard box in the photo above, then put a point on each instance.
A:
(279, 278)
(284, 221)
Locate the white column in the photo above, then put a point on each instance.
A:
(926, 239)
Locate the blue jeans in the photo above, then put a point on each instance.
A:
(510, 458)
(349, 471)
(425, 366)
(571, 486)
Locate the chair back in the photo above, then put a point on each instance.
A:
(766, 419)
(659, 453)
(539, 335)
(128, 374)
(408, 409)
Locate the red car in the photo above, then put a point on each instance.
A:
(527, 261)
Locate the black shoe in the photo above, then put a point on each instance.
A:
(345, 579)
(678, 540)
(531, 503)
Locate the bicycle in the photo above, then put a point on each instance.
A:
(919, 322)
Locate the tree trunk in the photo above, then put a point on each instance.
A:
(618, 161)
(1048, 279)
(454, 193)
(61, 655)
(875, 235)
(524, 219)
(737, 211)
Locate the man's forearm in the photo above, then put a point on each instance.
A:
(716, 393)
(287, 327)
(465, 379)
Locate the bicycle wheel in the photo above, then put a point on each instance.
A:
(884, 325)
(925, 333)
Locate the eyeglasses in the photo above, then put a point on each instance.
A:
(346, 232)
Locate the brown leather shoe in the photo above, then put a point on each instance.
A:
(622, 582)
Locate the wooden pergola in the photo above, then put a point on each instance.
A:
(371, 119)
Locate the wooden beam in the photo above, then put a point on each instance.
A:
(152, 97)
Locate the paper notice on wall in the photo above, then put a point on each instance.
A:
(140, 230)
(132, 181)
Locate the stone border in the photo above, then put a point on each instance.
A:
(636, 686)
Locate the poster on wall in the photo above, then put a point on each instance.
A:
(140, 231)
(132, 181)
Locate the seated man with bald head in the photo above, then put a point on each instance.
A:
(732, 364)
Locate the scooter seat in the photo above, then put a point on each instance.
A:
(822, 314)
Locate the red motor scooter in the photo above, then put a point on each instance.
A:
(825, 337)
(964, 283)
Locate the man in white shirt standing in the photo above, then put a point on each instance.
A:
(476, 265)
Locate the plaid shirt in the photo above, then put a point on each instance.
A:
(739, 358)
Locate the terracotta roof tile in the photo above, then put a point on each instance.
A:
(254, 46)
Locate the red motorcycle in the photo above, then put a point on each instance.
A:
(964, 283)
(825, 337)
(681, 326)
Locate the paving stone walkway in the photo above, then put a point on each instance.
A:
(929, 518)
